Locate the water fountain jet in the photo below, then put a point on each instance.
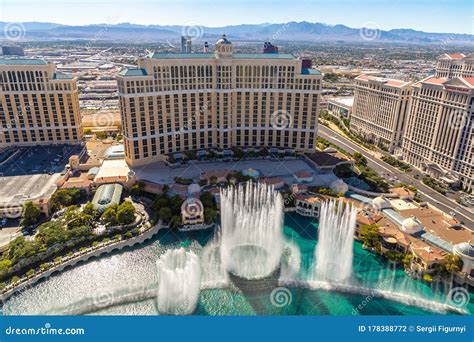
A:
(252, 230)
(179, 281)
(334, 251)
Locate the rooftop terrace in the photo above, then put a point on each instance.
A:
(209, 55)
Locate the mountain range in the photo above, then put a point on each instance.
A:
(289, 32)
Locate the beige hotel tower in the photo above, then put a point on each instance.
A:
(37, 104)
(191, 101)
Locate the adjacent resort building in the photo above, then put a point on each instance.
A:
(439, 135)
(38, 105)
(452, 65)
(380, 108)
(221, 99)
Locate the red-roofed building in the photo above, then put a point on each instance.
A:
(438, 136)
(452, 65)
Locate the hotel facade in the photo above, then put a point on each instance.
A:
(182, 102)
(450, 65)
(439, 135)
(37, 104)
(379, 110)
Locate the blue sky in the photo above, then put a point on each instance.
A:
(453, 16)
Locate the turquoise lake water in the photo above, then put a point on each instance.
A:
(136, 267)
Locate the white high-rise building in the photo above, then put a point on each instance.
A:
(38, 105)
(439, 135)
(452, 65)
(379, 110)
(182, 102)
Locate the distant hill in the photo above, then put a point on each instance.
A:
(291, 31)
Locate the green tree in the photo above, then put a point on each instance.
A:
(109, 216)
(126, 213)
(137, 188)
(30, 215)
(360, 159)
(165, 214)
(89, 209)
(207, 199)
(175, 204)
(453, 264)
(160, 202)
(101, 135)
(175, 221)
(407, 261)
(210, 215)
(65, 197)
(369, 235)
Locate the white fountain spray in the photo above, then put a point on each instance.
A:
(214, 275)
(252, 230)
(334, 251)
(179, 280)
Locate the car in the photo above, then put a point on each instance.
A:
(3, 222)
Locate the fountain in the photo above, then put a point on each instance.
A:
(252, 230)
(214, 275)
(335, 242)
(179, 280)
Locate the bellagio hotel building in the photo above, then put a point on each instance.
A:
(181, 102)
(37, 104)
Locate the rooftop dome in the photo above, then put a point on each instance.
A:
(223, 40)
(381, 202)
(412, 225)
(465, 249)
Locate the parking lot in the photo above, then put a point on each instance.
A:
(32, 173)
(38, 160)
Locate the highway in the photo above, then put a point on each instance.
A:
(427, 194)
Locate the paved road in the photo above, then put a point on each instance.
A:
(434, 198)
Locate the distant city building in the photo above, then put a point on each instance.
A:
(178, 102)
(340, 106)
(269, 48)
(452, 65)
(186, 44)
(379, 110)
(38, 105)
(439, 135)
(13, 51)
